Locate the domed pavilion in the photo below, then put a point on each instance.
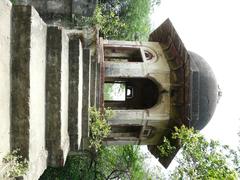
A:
(158, 85)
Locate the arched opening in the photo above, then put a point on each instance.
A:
(130, 93)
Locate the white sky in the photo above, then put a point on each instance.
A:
(211, 28)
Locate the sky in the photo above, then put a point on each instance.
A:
(211, 28)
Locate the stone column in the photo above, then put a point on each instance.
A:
(57, 139)
(28, 51)
(75, 93)
(86, 97)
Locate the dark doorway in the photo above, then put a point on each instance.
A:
(140, 93)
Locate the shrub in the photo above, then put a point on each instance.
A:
(15, 164)
(99, 128)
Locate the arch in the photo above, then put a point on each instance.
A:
(139, 93)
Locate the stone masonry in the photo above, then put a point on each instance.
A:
(61, 10)
(44, 72)
(57, 96)
(75, 84)
(28, 86)
(5, 33)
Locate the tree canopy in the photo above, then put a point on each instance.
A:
(113, 162)
(122, 20)
(202, 159)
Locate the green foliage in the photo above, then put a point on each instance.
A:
(15, 164)
(132, 19)
(99, 128)
(13, 1)
(202, 159)
(107, 92)
(165, 149)
(122, 162)
(113, 162)
(121, 20)
(108, 22)
(76, 167)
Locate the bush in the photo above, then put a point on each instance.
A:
(15, 164)
(99, 128)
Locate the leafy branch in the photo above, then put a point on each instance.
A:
(200, 158)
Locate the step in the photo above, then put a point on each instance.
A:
(5, 19)
(86, 97)
(28, 62)
(75, 91)
(57, 73)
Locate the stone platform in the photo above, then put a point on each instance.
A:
(45, 74)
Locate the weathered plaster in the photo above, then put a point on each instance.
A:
(37, 152)
(5, 31)
(156, 69)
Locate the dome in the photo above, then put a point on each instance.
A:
(205, 92)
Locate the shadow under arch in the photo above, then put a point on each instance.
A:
(139, 93)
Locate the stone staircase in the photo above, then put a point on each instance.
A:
(48, 81)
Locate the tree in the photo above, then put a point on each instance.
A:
(121, 20)
(113, 162)
(202, 159)
(122, 162)
(133, 15)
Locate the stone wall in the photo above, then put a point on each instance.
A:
(57, 138)
(54, 11)
(28, 87)
(36, 87)
(5, 30)
(52, 6)
(84, 7)
(75, 95)
(155, 69)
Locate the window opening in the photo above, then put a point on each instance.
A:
(129, 93)
(125, 131)
(147, 132)
(148, 55)
(122, 54)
